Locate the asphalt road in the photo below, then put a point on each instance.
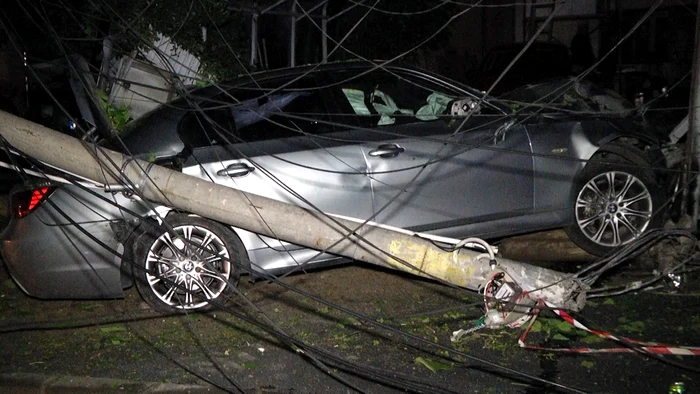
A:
(123, 339)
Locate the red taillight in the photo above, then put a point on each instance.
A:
(26, 201)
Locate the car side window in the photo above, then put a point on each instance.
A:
(381, 98)
(257, 112)
(281, 114)
(206, 127)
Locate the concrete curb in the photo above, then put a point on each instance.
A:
(27, 383)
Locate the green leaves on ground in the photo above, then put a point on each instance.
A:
(9, 284)
(560, 330)
(631, 326)
(113, 328)
(115, 334)
(432, 365)
(587, 364)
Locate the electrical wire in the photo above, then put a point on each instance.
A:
(91, 237)
(112, 251)
(440, 4)
(412, 180)
(365, 319)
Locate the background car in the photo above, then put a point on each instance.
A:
(387, 144)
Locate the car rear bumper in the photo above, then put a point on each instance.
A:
(60, 260)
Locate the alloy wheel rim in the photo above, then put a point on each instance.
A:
(188, 270)
(613, 208)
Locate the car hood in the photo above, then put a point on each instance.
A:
(569, 96)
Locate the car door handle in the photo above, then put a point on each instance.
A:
(386, 151)
(236, 170)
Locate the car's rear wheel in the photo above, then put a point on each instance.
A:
(190, 268)
(616, 202)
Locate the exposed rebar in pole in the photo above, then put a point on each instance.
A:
(693, 141)
(291, 223)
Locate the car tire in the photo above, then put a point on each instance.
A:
(609, 217)
(173, 275)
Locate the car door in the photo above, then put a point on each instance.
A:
(430, 174)
(280, 144)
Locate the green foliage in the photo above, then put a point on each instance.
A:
(9, 284)
(454, 315)
(51, 31)
(587, 364)
(560, 330)
(591, 339)
(182, 21)
(432, 365)
(89, 307)
(113, 334)
(113, 328)
(502, 341)
(551, 326)
(635, 327)
(118, 116)
(80, 26)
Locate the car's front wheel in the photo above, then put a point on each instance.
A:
(616, 202)
(189, 267)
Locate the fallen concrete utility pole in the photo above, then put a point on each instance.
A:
(289, 222)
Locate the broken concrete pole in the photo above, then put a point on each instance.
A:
(286, 221)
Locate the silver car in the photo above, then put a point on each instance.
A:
(388, 144)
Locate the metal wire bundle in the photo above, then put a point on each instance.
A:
(630, 251)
